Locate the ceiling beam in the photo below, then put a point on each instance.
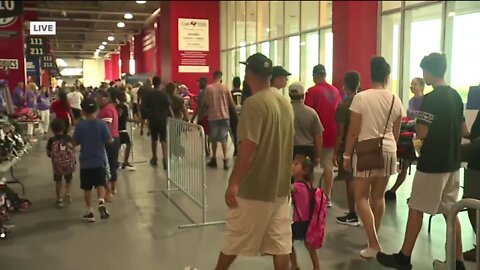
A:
(79, 42)
(90, 20)
(77, 11)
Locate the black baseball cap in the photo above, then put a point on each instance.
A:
(259, 64)
(89, 105)
(319, 70)
(279, 71)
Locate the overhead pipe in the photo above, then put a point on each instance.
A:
(77, 11)
(89, 20)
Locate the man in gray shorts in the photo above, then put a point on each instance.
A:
(436, 182)
(218, 99)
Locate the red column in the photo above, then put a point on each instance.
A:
(108, 69)
(11, 49)
(114, 57)
(125, 58)
(138, 53)
(158, 47)
(354, 43)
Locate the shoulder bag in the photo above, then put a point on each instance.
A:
(370, 152)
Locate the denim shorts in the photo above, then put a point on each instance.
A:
(218, 130)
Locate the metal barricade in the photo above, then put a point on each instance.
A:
(186, 166)
(450, 263)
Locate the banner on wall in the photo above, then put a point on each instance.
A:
(193, 44)
(36, 46)
(33, 69)
(11, 8)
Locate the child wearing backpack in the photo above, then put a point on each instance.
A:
(60, 150)
(310, 205)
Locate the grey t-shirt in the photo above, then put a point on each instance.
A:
(307, 124)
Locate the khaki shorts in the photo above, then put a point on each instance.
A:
(256, 227)
(434, 193)
(326, 160)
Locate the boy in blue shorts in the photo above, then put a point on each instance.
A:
(92, 134)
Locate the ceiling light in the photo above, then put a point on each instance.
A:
(104, 43)
(60, 62)
(97, 50)
(128, 16)
(111, 38)
(451, 14)
(120, 24)
(101, 47)
(141, 2)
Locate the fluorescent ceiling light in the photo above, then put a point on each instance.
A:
(71, 71)
(128, 16)
(60, 62)
(101, 47)
(141, 2)
(120, 24)
(111, 38)
(97, 50)
(104, 43)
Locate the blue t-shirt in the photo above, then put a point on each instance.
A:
(92, 135)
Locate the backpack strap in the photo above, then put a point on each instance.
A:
(311, 199)
(295, 207)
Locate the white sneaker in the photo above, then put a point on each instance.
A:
(368, 253)
(129, 167)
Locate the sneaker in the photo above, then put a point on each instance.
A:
(153, 161)
(104, 214)
(470, 255)
(212, 163)
(128, 167)
(68, 199)
(329, 204)
(225, 165)
(89, 217)
(59, 203)
(390, 196)
(368, 253)
(392, 261)
(350, 219)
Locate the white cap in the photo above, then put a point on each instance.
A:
(296, 89)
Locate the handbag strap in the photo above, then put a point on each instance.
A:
(388, 119)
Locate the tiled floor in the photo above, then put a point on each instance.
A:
(143, 230)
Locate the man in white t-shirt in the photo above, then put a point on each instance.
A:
(75, 98)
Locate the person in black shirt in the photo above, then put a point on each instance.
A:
(114, 92)
(142, 96)
(123, 118)
(436, 182)
(471, 189)
(351, 84)
(159, 109)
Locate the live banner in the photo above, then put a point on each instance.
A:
(10, 8)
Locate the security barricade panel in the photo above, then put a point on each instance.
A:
(186, 166)
(450, 262)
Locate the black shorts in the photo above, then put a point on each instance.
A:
(158, 131)
(58, 178)
(135, 108)
(299, 230)
(304, 150)
(143, 114)
(124, 138)
(90, 178)
(77, 113)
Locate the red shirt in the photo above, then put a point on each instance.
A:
(110, 115)
(60, 111)
(324, 99)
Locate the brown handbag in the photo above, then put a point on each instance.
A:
(370, 152)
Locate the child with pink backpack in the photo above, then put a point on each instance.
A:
(309, 211)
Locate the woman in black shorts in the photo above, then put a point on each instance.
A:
(123, 118)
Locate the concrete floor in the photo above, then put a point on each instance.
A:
(143, 230)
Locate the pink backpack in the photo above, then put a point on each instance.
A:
(63, 157)
(316, 227)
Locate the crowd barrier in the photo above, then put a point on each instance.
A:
(186, 166)
(450, 263)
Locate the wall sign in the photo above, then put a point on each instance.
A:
(193, 35)
(43, 28)
(8, 63)
(36, 46)
(10, 8)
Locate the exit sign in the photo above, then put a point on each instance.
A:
(43, 28)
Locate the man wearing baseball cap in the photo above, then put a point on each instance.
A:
(324, 98)
(258, 218)
(308, 139)
(279, 77)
